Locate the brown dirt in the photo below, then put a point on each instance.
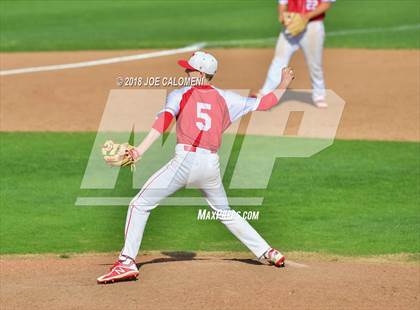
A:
(380, 88)
(209, 281)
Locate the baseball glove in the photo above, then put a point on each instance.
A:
(295, 23)
(120, 155)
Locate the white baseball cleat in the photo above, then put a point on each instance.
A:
(321, 104)
(274, 257)
(120, 271)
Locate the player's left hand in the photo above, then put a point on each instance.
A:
(120, 155)
(295, 23)
(132, 154)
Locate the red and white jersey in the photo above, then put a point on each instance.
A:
(304, 6)
(203, 113)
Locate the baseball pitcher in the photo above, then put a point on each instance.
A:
(202, 114)
(304, 28)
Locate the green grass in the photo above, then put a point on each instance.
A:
(86, 25)
(354, 198)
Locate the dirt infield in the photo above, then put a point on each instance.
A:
(380, 88)
(206, 281)
(382, 103)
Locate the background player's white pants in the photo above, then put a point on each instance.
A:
(312, 43)
(198, 169)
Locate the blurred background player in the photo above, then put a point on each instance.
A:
(310, 38)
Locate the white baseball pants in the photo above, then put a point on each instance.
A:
(198, 169)
(312, 43)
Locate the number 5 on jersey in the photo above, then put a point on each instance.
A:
(204, 123)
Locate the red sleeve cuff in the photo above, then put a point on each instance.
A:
(163, 121)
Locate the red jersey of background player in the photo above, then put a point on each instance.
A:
(303, 6)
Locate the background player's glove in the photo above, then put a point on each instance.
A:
(120, 155)
(295, 23)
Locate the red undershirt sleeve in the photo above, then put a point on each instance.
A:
(267, 102)
(163, 121)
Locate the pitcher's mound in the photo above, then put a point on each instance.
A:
(179, 280)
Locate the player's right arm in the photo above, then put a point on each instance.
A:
(272, 99)
(282, 8)
(238, 105)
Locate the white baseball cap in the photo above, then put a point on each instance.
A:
(200, 61)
